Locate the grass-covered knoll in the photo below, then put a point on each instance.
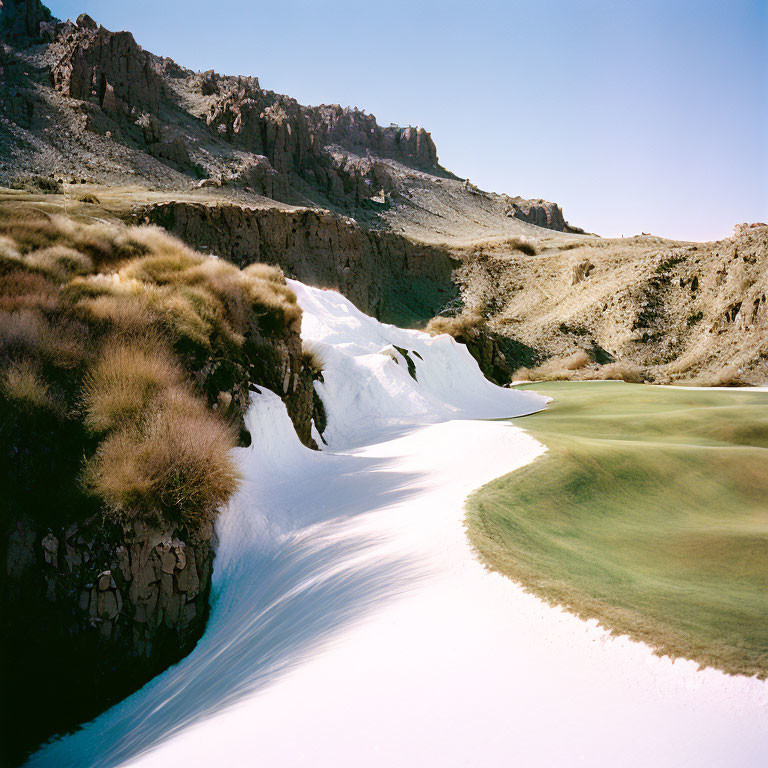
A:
(121, 352)
(649, 512)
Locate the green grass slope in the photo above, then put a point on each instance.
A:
(649, 512)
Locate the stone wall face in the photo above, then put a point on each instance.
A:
(384, 274)
(100, 609)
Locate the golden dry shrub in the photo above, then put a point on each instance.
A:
(23, 288)
(23, 385)
(165, 268)
(126, 312)
(465, 325)
(124, 382)
(558, 368)
(621, 371)
(266, 287)
(311, 359)
(34, 230)
(174, 465)
(521, 244)
(60, 262)
(151, 239)
(20, 330)
(8, 249)
(266, 272)
(727, 376)
(224, 281)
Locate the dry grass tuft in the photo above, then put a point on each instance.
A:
(621, 371)
(311, 360)
(174, 464)
(556, 368)
(580, 367)
(266, 272)
(124, 382)
(129, 336)
(465, 325)
(60, 262)
(24, 289)
(728, 376)
(22, 385)
(522, 245)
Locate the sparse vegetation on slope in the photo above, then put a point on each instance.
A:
(671, 312)
(580, 366)
(648, 513)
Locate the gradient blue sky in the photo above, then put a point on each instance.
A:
(635, 116)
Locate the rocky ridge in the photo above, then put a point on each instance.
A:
(682, 312)
(85, 101)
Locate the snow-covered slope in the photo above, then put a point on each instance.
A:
(351, 625)
(368, 392)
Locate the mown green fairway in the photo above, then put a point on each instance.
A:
(649, 513)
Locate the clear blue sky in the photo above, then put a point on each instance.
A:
(634, 115)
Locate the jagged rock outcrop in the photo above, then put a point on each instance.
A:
(386, 275)
(92, 103)
(92, 63)
(542, 213)
(21, 20)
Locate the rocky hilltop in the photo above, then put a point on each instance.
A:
(81, 100)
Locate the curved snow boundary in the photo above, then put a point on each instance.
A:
(351, 624)
(367, 390)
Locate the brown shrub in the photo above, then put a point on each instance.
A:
(728, 376)
(224, 281)
(557, 368)
(60, 262)
(124, 382)
(8, 249)
(129, 313)
(111, 300)
(20, 330)
(174, 465)
(25, 289)
(265, 272)
(522, 245)
(311, 360)
(621, 371)
(465, 325)
(166, 268)
(23, 385)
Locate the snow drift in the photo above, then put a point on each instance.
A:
(351, 625)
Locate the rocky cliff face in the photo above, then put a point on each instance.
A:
(226, 128)
(542, 213)
(20, 20)
(385, 275)
(92, 103)
(96, 611)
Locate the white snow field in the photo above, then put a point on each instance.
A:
(351, 624)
